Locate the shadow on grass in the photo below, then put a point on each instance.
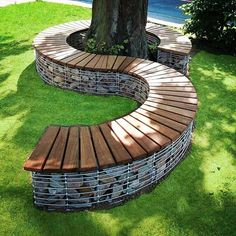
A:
(9, 46)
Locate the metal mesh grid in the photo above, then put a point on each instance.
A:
(71, 191)
(174, 60)
(101, 83)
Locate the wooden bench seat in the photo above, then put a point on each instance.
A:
(169, 108)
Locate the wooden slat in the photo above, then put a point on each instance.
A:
(141, 138)
(135, 150)
(85, 61)
(163, 120)
(178, 87)
(125, 63)
(177, 110)
(133, 64)
(169, 84)
(170, 115)
(148, 67)
(102, 151)
(72, 57)
(118, 62)
(99, 63)
(87, 155)
(71, 159)
(144, 64)
(175, 93)
(64, 55)
(55, 158)
(174, 98)
(104, 63)
(165, 130)
(78, 59)
(118, 150)
(41, 151)
(110, 62)
(93, 62)
(157, 137)
(187, 106)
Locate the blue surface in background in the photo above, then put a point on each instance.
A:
(167, 10)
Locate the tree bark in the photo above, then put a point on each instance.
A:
(119, 22)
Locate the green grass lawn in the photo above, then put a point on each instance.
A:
(198, 198)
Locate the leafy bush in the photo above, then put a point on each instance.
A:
(102, 48)
(214, 21)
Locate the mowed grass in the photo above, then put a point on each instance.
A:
(198, 198)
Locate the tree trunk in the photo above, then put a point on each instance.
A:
(119, 24)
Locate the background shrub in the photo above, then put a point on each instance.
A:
(214, 21)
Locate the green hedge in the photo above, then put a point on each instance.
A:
(214, 21)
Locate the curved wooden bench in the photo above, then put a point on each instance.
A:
(150, 140)
(174, 48)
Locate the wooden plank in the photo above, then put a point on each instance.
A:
(174, 98)
(84, 62)
(163, 129)
(170, 115)
(176, 110)
(104, 63)
(58, 54)
(55, 50)
(39, 155)
(118, 150)
(147, 144)
(178, 87)
(110, 62)
(157, 137)
(64, 55)
(187, 106)
(102, 151)
(133, 147)
(125, 63)
(118, 62)
(46, 44)
(78, 59)
(93, 62)
(156, 71)
(174, 93)
(87, 155)
(163, 73)
(73, 56)
(99, 63)
(151, 66)
(55, 158)
(170, 84)
(144, 64)
(179, 79)
(163, 120)
(71, 159)
(133, 64)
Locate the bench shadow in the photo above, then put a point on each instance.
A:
(46, 223)
(9, 46)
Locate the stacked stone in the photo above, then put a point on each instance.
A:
(68, 191)
(174, 60)
(90, 81)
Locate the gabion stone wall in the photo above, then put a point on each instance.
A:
(107, 187)
(177, 61)
(92, 82)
